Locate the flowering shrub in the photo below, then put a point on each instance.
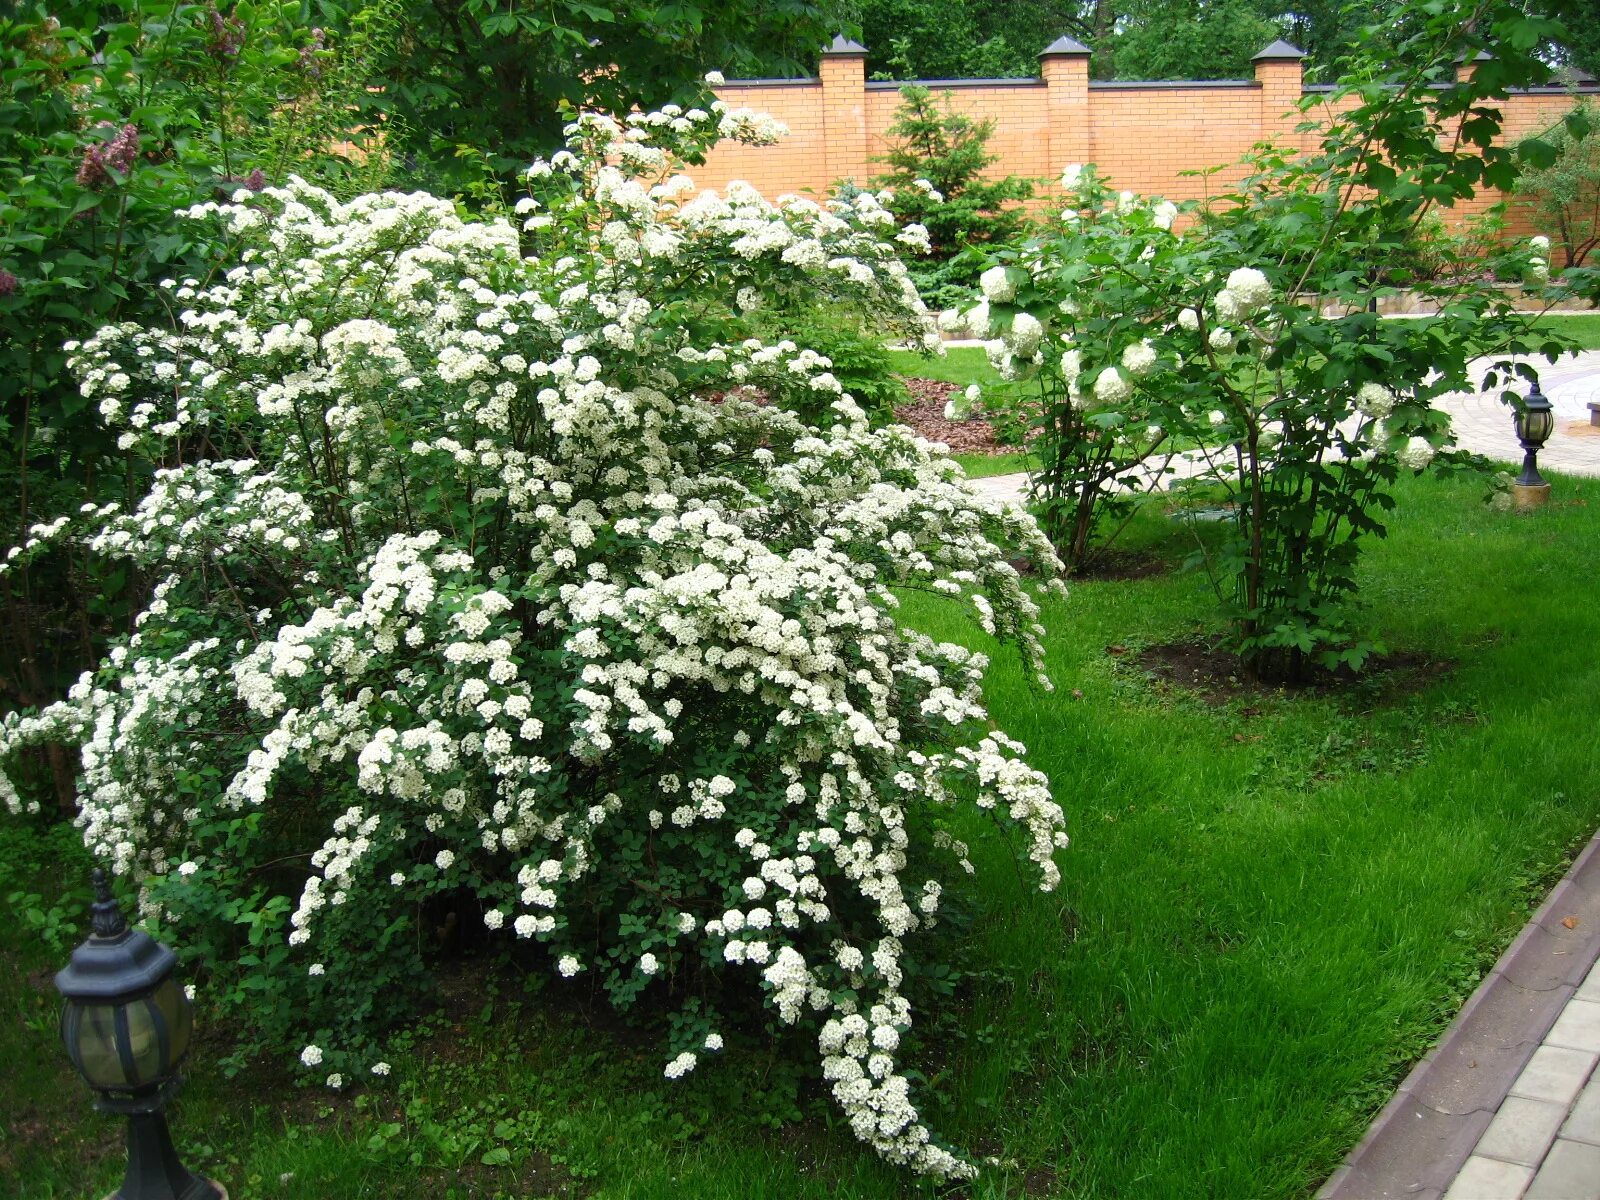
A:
(1094, 421)
(478, 585)
(1255, 333)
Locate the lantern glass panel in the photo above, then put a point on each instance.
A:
(1540, 425)
(90, 1032)
(175, 1011)
(132, 1043)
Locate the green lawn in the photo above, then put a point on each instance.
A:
(980, 466)
(1269, 909)
(1586, 329)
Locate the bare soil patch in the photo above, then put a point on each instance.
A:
(1122, 565)
(1204, 668)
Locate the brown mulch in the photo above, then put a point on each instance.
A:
(1122, 565)
(925, 414)
(1204, 668)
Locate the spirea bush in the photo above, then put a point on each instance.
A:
(477, 580)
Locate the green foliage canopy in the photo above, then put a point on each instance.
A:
(476, 81)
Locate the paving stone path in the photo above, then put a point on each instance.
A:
(1544, 1140)
(1481, 422)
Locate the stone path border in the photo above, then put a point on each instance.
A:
(1421, 1140)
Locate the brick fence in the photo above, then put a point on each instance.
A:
(1140, 135)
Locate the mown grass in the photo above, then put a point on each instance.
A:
(1585, 328)
(981, 466)
(1269, 910)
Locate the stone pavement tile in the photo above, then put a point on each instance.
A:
(1584, 1123)
(1555, 1073)
(1521, 1131)
(1577, 1027)
(1590, 988)
(1488, 1179)
(1571, 1171)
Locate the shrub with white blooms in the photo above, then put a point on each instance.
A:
(1252, 329)
(477, 580)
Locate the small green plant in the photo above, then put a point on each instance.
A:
(1565, 195)
(937, 157)
(860, 362)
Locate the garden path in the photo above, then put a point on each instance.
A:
(1481, 422)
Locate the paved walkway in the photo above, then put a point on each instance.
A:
(1481, 423)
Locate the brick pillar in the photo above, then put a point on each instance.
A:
(1064, 64)
(1280, 70)
(844, 111)
(1466, 68)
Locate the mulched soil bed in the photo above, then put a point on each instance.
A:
(1122, 565)
(925, 414)
(1202, 667)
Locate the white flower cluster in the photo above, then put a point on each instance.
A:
(1538, 269)
(1374, 401)
(501, 580)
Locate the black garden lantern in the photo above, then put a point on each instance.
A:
(1535, 422)
(126, 1028)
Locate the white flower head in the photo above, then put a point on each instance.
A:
(1249, 289)
(1024, 336)
(1139, 358)
(997, 285)
(978, 321)
(1374, 400)
(1111, 387)
(1417, 454)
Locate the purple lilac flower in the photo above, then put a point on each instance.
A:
(227, 35)
(8, 283)
(101, 158)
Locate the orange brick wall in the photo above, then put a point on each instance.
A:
(1141, 136)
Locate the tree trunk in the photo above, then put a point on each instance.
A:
(1104, 24)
